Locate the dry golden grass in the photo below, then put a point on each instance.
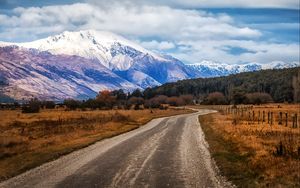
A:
(255, 147)
(28, 140)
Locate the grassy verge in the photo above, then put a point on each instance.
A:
(232, 163)
(246, 154)
(29, 140)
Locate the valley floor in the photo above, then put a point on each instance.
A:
(29, 140)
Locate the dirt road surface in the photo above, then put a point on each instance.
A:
(166, 152)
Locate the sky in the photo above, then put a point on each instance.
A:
(233, 32)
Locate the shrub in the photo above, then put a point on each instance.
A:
(215, 98)
(72, 104)
(136, 101)
(175, 101)
(48, 104)
(33, 106)
(187, 99)
(106, 99)
(156, 102)
(259, 98)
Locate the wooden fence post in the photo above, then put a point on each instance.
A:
(280, 118)
(263, 118)
(253, 115)
(295, 119)
(249, 116)
(286, 119)
(271, 118)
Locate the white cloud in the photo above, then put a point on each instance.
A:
(294, 4)
(137, 21)
(155, 45)
(261, 52)
(192, 35)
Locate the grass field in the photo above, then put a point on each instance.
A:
(28, 140)
(253, 153)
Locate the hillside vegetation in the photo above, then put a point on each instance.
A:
(277, 83)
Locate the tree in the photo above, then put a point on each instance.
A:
(296, 87)
(119, 94)
(239, 98)
(48, 104)
(136, 101)
(33, 106)
(137, 93)
(72, 104)
(90, 103)
(106, 99)
(148, 93)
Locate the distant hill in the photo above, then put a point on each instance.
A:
(277, 82)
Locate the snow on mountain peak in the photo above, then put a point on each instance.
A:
(92, 44)
(212, 69)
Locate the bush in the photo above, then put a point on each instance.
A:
(136, 101)
(48, 104)
(72, 104)
(259, 98)
(32, 106)
(106, 99)
(187, 99)
(175, 101)
(215, 98)
(239, 98)
(156, 102)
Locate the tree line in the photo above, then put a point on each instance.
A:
(105, 100)
(281, 85)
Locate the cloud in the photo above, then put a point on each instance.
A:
(156, 45)
(261, 52)
(137, 21)
(191, 35)
(293, 4)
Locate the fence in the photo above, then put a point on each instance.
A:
(262, 117)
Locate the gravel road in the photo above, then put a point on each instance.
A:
(166, 152)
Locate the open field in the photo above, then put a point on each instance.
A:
(251, 152)
(28, 140)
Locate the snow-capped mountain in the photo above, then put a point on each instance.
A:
(113, 51)
(214, 69)
(117, 54)
(28, 73)
(109, 61)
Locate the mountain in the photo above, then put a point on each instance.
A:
(117, 54)
(214, 69)
(27, 73)
(79, 64)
